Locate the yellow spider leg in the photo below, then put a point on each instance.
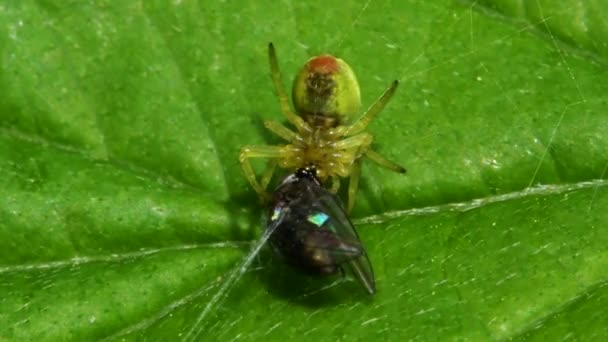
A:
(353, 185)
(369, 115)
(275, 74)
(249, 152)
(280, 130)
(335, 185)
(349, 150)
(268, 172)
(360, 141)
(380, 160)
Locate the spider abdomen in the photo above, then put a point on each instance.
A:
(326, 92)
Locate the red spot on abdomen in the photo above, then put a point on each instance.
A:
(324, 64)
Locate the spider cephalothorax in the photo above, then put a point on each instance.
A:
(326, 97)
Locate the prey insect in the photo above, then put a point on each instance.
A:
(326, 98)
(307, 226)
(312, 232)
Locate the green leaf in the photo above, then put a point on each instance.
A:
(124, 210)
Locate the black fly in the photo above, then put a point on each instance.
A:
(312, 232)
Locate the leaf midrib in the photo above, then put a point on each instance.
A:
(380, 219)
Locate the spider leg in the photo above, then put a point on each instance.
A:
(280, 130)
(353, 184)
(268, 172)
(362, 141)
(248, 152)
(335, 185)
(349, 150)
(371, 112)
(275, 74)
(359, 141)
(385, 163)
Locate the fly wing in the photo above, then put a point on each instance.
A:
(361, 267)
(350, 252)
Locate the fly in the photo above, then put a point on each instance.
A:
(312, 232)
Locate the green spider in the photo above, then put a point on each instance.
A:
(326, 97)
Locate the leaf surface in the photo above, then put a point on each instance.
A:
(124, 210)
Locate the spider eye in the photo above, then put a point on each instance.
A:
(326, 89)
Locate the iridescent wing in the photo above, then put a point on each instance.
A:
(316, 234)
(351, 251)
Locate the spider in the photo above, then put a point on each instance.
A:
(325, 97)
